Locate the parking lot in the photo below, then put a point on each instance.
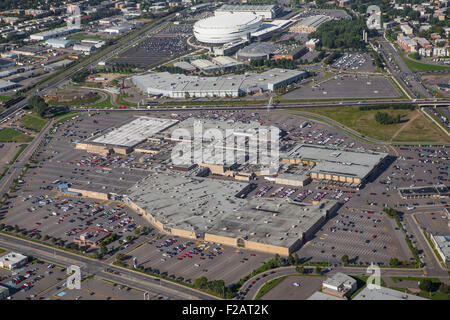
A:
(346, 87)
(154, 50)
(97, 288)
(33, 281)
(355, 62)
(287, 290)
(42, 210)
(193, 259)
(433, 222)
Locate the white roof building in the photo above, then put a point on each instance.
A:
(13, 260)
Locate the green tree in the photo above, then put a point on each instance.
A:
(119, 257)
(344, 259)
(201, 283)
(394, 262)
(296, 259)
(425, 285)
(318, 270)
(103, 249)
(38, 105)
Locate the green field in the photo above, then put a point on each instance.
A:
(364, 122)
(83, 37)
(33, 122)
(421, 129)
(415, 65)
(11, 135)
(104, 104)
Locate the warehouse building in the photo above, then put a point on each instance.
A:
(59, 64)
(266, 11)
(210, 210)
(7, 85)
(59, 43)
(347, 166)
(310, 24)
(41, 36)
(181, 86)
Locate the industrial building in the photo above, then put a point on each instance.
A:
(384, 293)
(348, 166)
(4, 63)
(211, 210)
(7, 85)
(309, 24)
(180, 86)
(41, 36)
(13, 260)
(124, 138)
(84, 47)
(59, 43)
(59, 64)
(442, 245)
(266, 11)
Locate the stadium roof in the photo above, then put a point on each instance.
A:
(228, 21)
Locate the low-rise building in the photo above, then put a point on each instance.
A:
(407, 43)
(339, 285)
(442, 244)
(13, 260)
(406, 29)
(59, 43)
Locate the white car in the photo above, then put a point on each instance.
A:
(197, 265)
(296, 284)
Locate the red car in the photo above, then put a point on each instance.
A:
(252, 254)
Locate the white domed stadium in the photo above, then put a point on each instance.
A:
(226, 27)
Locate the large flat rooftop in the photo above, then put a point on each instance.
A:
(336, 161)
(133, 132)
(210, 205)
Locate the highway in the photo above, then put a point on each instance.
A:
(91, 266)
(404, 73)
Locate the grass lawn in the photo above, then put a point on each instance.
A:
(33, 122)
(2, 250)
(4, 98)
(268, 286)
(121, 100)
(363, 121)
(11, 135)
(104, 104)
(419, 66)
(437, 295)
(422, 129)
